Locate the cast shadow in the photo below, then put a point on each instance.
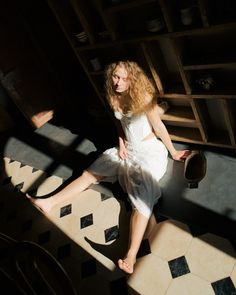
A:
(175, 205)
(116, 248)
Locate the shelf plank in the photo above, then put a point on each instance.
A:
(208, 66)
(213, 96)
(166, 12)
(200, 120)
(127, 5)
(175, 96)
(180, 116)
(183, 74)
(204, 30)
(155, 75)
(184, 134)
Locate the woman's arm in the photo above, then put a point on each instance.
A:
(161, 131)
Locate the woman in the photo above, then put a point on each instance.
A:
(140, 160)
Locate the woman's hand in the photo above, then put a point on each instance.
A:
(123, 153)
(181, 155)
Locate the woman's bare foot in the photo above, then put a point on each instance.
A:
(45, 205)
(127, 264)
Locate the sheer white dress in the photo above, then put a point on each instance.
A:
(139, 174)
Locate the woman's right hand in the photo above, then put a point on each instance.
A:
(123, 153)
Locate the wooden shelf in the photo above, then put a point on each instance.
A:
(175, 58)
(180, 116)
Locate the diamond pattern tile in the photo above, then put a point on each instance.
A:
(178, 267)
(88, 268)
(86, 221)
(111, 233)
(64, 251)
(66, 210)
(224, 287)
(44, 237)
(27, 225)
(104, 197)
(119, 286)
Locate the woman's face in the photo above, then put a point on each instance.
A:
(120, 79)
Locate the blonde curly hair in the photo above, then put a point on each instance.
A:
(141, 91)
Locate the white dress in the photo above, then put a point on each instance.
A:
(139, 174)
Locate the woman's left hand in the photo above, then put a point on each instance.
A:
(181, 155)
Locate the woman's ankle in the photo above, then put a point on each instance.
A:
(131, 254)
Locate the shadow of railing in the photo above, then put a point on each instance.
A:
(28, 268)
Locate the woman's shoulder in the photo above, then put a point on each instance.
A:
(149, 102)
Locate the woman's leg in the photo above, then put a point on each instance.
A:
(138, 225)
(75, 187)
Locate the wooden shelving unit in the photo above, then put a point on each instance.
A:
(187, 47)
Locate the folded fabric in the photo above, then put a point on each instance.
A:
(195, 168)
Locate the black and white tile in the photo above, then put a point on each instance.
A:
(85, 232)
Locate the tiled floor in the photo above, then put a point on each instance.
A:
(89, 233)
